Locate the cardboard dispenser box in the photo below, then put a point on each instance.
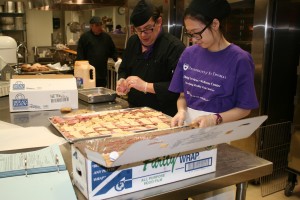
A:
(108, 167)
(42, 92)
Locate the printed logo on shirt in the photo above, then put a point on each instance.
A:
(202, 83)
(186, 67)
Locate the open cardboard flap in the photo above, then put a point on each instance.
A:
(146, 147)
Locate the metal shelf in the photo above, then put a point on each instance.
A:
(11, 14)
(1, 30)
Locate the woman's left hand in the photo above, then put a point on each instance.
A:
(136, 83)
(204, 121)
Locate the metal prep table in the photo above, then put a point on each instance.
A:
(234, 166)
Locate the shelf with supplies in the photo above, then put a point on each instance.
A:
(12, 22)
(5, 14)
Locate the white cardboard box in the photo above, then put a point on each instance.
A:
(42, 92)
(97, 182)
(153, 162)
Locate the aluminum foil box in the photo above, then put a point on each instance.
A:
(97, 182)
(42, 92)
(107, 167)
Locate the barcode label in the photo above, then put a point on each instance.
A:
(59, 100)
(198, 164)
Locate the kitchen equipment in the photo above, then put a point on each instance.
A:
(74, 27)
(20, 7)
(7, 20)
(1, 8)
(19, 23)
(294, 161)
(96, 95)
(8, 49)
(8, 27)
(9, 7)
(85, 74)
(70, 51)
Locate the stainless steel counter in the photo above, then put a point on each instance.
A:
(234, 167)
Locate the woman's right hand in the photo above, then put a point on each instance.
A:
(121, 88)
(178, 119)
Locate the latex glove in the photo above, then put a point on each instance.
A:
(204, 121)
(136, 83)
(117, 64)
(178, 119)
(122, 88)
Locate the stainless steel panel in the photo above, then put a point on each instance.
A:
(9, 6)
(260, 45)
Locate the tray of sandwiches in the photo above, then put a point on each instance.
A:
(113, 123)
(38, 68)
(35, 68)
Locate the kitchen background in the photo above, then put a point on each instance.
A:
(47, 26)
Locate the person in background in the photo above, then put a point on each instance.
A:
(148, 62)
(118, 30)
(97, 46)
(213, 75)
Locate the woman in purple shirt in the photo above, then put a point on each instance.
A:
(213, 75)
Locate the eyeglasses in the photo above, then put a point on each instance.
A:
(145, 31)
(198, 35)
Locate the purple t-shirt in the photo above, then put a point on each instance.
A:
(216, 81)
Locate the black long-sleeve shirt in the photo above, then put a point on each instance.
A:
(97, 49)
(156, 68)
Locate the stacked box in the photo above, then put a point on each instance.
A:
(42, 92)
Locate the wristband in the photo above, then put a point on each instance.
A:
(219, 119)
